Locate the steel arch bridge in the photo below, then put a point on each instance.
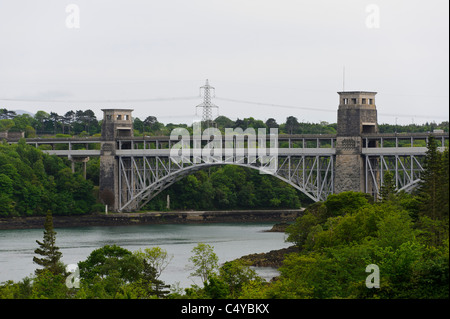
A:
(141, 167)
(143, 177)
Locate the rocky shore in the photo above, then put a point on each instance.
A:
(145, 218)
(273, 258)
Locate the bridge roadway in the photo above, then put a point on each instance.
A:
(323, 144)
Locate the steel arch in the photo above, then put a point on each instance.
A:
(143, 178)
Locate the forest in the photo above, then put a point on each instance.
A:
(32, 183)
(405, 235)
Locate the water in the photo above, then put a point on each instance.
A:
(230, 241)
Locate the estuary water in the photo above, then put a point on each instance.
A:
(230, 241)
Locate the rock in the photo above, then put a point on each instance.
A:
(273, 258)
(280, 227)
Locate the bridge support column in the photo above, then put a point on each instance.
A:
(357, 114)
(117, 123)
(83, 160)
(108, 190)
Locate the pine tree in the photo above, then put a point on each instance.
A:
(443, 194)
(430, 180)
(387, 191)
(48, 249)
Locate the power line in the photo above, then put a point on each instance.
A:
(308, 108)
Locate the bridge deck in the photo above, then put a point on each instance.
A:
(401, 144)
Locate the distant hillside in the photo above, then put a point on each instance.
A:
(20, 112)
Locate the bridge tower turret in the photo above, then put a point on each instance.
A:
(357, 115)
(117, 123)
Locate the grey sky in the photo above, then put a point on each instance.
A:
(282, 52)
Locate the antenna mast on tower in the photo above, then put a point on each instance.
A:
(207, 105)
(343, 79)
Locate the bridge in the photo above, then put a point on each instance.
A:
(133, 170)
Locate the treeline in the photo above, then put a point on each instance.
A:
(413, 128)
(85, 123)
(42, 123)
(228, 187)
(31, 183)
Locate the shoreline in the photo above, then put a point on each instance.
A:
(148, 218)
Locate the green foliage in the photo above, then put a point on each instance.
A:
(48, 285)
(115, 272)
(216, 288)
(346, 202)
(338, 239)
(237, 274)
(235, 279)
(156, 257)
(31, 183)
(388, 189)
(204, 262)
(48, 250)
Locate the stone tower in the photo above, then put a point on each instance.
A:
(117, 123)
(357, 115)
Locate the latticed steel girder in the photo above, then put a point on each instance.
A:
(141, 178)
(406, 170)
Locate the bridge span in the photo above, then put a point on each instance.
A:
(133, 170)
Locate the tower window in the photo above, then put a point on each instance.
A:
(127, 117)
(370, 101)
(119, 117)
(363, 101)
(345, 101)
(354, 101)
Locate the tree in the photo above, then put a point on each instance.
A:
(444, 185)
(388, 189)
(151, 122)
(431, 181)
(150, 283)
(156, 257)
(292, 124)
(345, 202)
(48, 249)
(204, 261)
(111, 262)
(236, 274)
(5, 114)
(138, 125)
(224, 122)
(55, 118)
(69, 119)
(41, 118)
(271, 123)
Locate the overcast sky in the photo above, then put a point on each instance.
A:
(286, 55)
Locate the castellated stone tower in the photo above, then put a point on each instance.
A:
(116, 123)
(357, 115)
